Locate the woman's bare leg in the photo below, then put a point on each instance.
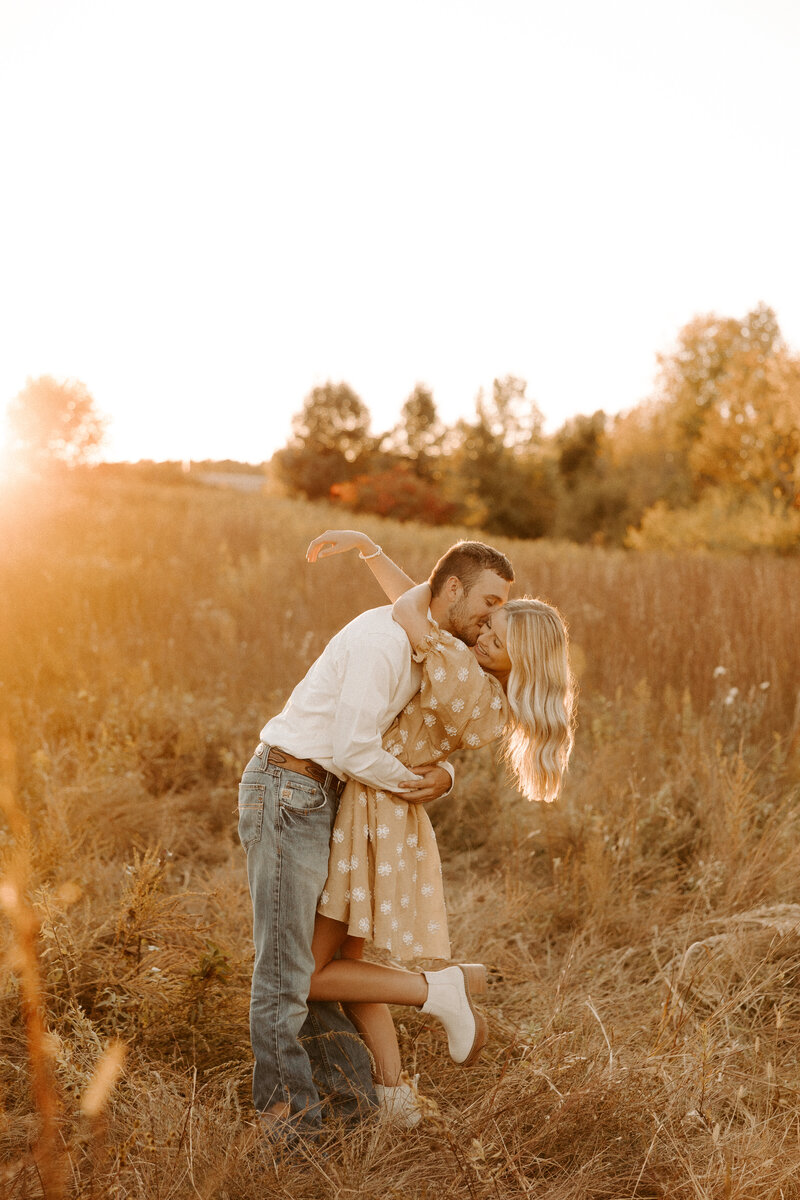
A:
(444, 994)
(365, 989)
(350, 980)
(374, 1023)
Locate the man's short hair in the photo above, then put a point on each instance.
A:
(466, 560)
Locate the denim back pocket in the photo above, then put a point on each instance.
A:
(251, 812)
(301, 797)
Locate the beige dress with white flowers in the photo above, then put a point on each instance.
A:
(384, 873)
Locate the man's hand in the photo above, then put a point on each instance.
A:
(435, 783)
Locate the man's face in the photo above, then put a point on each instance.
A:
(468, 610)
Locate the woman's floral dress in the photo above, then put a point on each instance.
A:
(384, 873)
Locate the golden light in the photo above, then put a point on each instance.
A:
(5, 450)
(9, 463)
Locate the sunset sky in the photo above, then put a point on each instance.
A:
(208, 208)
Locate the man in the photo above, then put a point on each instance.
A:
(330, 729)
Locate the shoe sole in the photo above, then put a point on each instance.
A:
(475, 981)
(475, 976)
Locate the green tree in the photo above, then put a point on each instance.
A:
(592, 499)
(52, 422)
(578, 447)
(509, 416)
(497, 468)
(330, 441)
(417, 438)
(642, 448)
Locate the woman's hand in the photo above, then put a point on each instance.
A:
(339, 541)
(391, 578)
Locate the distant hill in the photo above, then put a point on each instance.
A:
(243, 481)
(227, 473)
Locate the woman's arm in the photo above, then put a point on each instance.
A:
(411, 612)
(391, 578)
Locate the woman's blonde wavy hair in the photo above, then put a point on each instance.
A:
(541, 698)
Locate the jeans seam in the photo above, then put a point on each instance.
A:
(322, 1050)
(277, 959)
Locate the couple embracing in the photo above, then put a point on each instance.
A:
(340, 849)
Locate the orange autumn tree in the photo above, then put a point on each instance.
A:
(399, 493)
(729, 423)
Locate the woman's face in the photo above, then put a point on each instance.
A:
(490, 648)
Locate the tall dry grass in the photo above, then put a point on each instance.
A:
(642, 935)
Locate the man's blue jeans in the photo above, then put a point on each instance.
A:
(305, 1053)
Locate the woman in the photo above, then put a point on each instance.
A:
(384, 881)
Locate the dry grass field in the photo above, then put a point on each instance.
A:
(642, 935)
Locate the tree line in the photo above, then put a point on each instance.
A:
(711, 459)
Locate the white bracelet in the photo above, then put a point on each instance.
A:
(367, 557)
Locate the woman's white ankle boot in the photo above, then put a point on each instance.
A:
(399, 1105)
(450, 1001)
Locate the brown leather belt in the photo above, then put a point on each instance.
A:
(305, 766)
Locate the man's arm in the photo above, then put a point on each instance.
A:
(391, 578)
(437, 780)
(368, 678)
